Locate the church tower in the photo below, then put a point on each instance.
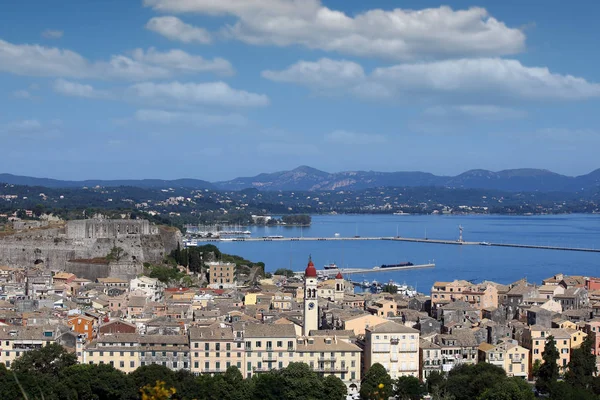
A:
(311, 304)
(339, 288)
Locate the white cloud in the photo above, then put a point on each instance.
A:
(490, 77)
(175, 29)
(182, 61)
(354, 138)
(36, 60)
(325, 73)
(395, 34)
(26, 125)
(210, 93)
(488, 112)
(75, 89)
(21, 94)
(29, 129)
(196, 119)
(52, 34)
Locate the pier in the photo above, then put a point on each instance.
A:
(194, 242)
(349, 271)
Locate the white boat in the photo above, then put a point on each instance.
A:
(330, 266)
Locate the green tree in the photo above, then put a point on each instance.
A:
(150, 374)
(116, 254)
(409, 388)
(509, 389)
(582, 366)
(47, 360)
(334, 388)
(300, 382)
(376, 384)
(435, 380)
(548, 372)
(392, 289)
(92, 381)
(467, 382)
(230, 386)
(266, 386)
(285, 272)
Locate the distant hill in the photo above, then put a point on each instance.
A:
(513, 180)
(306, 178)
(141, 183)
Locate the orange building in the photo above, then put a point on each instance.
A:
(84, 325)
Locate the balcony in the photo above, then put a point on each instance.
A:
(331, 370)
(394, 341)
(328, 359)
(213, 371)
(261, 369)
(515, 360)
(269, 359)
(374, 350)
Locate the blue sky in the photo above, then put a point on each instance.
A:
(215, 90)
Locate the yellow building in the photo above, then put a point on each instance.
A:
(534, 338)
(221, 275)
(330, 355)
(214, 349)
(17, 340)
(250, 299)
(122, 351)
(394, 346)
(509, 356)
(268, 347)
(360, 323)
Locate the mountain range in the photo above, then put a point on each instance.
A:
(305, 178)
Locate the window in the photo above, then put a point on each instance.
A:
(174, 364)
(206, 346)
(217, 346)
(195, 364)
(196, 345)
(258, 344)
(206, 365)
(228, 346)
(279, 343)
(122, 364)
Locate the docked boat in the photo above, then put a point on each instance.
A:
(402, 264)
(330, 266)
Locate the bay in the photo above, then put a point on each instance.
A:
(478, 263)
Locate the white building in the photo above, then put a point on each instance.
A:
(151, 287)
(394, 346)
(311, 303)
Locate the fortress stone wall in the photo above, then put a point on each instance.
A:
(108, 228)
(57, 246)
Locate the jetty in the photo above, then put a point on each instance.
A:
(200, 241)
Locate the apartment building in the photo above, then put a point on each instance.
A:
(17, 340)
(221, 275)
(268, 347)
(459, 347)
(394, 346)
(127, 351)
(151, 287)
(508, 355)
(430, 359)
(534, 338)
(330, 355)
(214, 349)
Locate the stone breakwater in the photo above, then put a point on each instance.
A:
(55, 247)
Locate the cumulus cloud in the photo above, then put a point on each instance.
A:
(354, 138)
(195, 119)
(29, 129)
(182, 61)
(52, 34)
(210, 93)
(325, 73)
(36, 60)
(481, 111)
(395, 34)
(175, 29)
(490, 77)
(75, 89)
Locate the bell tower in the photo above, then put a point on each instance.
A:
(339, 288)
(311, 304)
